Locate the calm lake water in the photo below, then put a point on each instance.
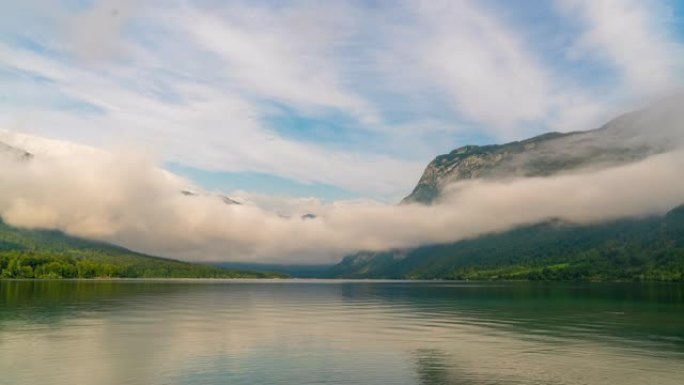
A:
(339, 332)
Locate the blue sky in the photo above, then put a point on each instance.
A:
(336, 100)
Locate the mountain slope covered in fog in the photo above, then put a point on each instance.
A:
(635, 249)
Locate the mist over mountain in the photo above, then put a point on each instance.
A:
(50, 254)
(649, 248)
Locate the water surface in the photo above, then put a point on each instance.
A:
(339, 332)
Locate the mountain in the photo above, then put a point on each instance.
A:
(635, 249)
(647, 248)
(630, 137)
(52, 254)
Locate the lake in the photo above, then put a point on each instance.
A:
(339, 332)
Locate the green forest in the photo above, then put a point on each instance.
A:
(46, 254)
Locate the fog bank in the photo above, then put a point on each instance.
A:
(126, 199)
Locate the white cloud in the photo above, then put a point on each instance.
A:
(465, 57)
(283, 55)
(633, 37)
(482, 64)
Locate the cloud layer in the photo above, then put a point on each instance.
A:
(124, 198)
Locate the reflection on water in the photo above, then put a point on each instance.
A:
(337, 332)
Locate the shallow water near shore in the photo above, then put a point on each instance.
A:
(339, 332)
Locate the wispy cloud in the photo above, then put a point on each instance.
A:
(284, 55)
(632, 36)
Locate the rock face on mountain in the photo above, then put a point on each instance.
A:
(628, 138)
(229, 201)
(13, 152)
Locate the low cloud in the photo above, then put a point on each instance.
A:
(125, 199)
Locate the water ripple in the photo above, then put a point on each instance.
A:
(331, 332)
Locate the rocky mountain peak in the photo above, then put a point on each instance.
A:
(628, 138)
